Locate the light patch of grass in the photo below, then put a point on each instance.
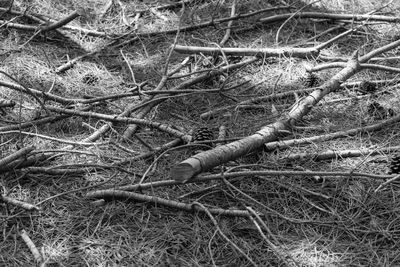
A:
(311, 254)
(56, 250)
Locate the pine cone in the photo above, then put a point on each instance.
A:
(202, 134)
(394, 167)
(311, 80)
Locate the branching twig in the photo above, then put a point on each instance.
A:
(204, 209)
(157, 125)
(119, 194)
(382, 185)
(229, 26)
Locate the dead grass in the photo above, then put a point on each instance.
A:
(339, 222)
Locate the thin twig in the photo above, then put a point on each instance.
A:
(204, 209)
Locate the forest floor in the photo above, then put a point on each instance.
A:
(85, 184)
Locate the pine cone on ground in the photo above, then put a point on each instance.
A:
(394, 166)
(202, 134)
(310, 80)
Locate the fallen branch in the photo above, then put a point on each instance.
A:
(229, 175)
(35, 252)
(136, 37)
(229, 26)
(111, 118)
(209, 23)
(60, 23)
(38, 93)
(206, 160)
(119, 194)
(319, 138)
(39, 19)
(18, 203)
(19, 154)
(363, 66)
(22, 163)
(211, 158)
(330, 16)
(299, 52)
(332, 154)
(53, 138)
(382, 185)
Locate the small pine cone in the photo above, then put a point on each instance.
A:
(379, 112)
(394, 166)
(367, 87)
(310, 80)
(202, 134)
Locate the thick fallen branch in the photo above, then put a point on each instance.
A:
(206, 160)
(219, 155)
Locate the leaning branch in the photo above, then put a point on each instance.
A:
(206, 160)
(299, 52)
(329, 16)
(119, 194)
